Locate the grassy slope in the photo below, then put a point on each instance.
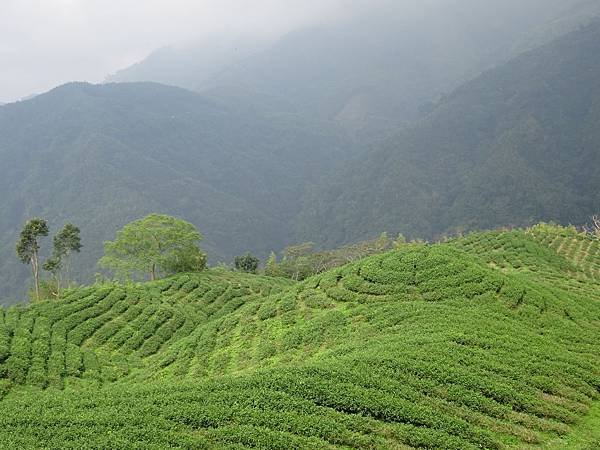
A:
(484, 341)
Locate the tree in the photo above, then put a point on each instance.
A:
(155, 244)
(302, 261)
(53, 265)
(399, 242)
(66, 241)
(246, 263)
(28, 248)
(271, 267)
(595, 226)
(191, 259)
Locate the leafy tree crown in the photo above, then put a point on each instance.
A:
(156, 243)
(28, 246)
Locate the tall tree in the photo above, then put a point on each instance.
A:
(271, 267)
(66, 241)
(151, 245)
(28, 248)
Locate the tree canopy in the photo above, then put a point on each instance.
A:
(28, 247)
(157, 244)
(65, 242)
(246, 263)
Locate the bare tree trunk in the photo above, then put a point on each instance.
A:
(153, 272)
(36, 275)
(58, 285)
(67, 270)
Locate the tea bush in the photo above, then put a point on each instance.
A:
(486, 341)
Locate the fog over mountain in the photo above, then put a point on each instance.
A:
(307, 224)
(47, 43)
(270, 122)
(371, 72)
(517, 145)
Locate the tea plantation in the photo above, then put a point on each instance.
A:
(485, 341)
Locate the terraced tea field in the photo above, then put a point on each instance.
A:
(487, 341)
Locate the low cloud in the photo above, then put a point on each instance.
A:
(44, 43)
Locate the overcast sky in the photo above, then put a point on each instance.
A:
(44, 43)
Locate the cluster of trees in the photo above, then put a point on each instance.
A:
(302, 261)
(65, 242)
(157, 245)
(161, 245)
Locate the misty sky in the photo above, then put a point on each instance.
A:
(44, 43)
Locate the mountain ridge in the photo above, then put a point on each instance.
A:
(512, 147)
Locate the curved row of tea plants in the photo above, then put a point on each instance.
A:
(487, 341)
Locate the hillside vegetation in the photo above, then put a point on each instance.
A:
(104, 155)
(486, 341)
(517, 145)
(285, 144)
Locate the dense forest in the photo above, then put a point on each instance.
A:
(516, 145)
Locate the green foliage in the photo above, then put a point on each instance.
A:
(154, 244)
(49, 289)
(67, 240)
(246, 263)
(28, 248)
(52, 265)
(485, 341)
(302, 261)
(146, 147)
(190, 259)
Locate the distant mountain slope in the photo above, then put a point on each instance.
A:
(100, 156)
(187, 66)
(519, 144)
(374, 72)
(488, 341)
(381, 70)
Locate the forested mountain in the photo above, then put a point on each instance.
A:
(310, 112)
(377, 71)
(100, 156)
(520, 143)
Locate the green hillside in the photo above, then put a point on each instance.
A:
(486, 341)
(517, 145)
(103, 155)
